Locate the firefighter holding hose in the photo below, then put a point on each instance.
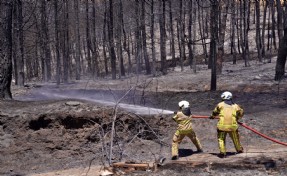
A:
(183, 119)
(229, 113)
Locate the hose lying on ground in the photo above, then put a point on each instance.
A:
(249, 128)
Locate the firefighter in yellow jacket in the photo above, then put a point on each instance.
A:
(229, 113)
(183, 119)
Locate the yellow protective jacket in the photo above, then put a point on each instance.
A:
(228, 114)
(184, 123)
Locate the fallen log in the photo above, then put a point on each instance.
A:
(135, 165)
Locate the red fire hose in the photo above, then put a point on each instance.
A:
(249, 128)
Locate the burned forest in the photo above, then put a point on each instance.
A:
(143, 87)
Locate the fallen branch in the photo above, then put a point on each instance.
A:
(134, 165)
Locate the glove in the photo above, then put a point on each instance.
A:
(240, 120)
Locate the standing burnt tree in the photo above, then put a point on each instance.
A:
(57, 44)
(152, 34)
(78, 40)
(138, 54)
(88, 38)
(6, 49)
(44, 39)
(223, 10)
(258, 34)
(214, 41)
(144, 38)
(111, 41)
(17, 45)
(172, 33)
(162, 37)
(282, 50)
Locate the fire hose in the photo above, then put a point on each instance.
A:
(249, 128)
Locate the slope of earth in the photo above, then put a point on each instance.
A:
(49, 130)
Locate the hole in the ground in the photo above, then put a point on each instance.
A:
(75, 123)
(270, 164)
(39, 123)
(94, 136)
(147, 135)
(105, 127)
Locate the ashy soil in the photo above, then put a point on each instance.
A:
(48, 130)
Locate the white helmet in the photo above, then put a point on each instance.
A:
(183, 104)
(226, 95)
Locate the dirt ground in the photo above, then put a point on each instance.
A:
(48, 130)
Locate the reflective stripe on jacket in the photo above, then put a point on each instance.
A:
(184, 123)
(228, 116)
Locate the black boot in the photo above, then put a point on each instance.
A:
(222, 155)
(199, 151)
(175, 157)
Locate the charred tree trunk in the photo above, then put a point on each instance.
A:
(46, 53)
(88, 40)
(162, 38)
(207, 33)
(269, 28)
(138, 53)
(78, 41)
(213, 42)
(258, 35)
(125, 41)
(245, 46)
(119, 40)
(273, 25)
(172, 51)
(233, 25)
(144, 38)
(105, 39)
(95, 62)
(180, 35)
(190, 28)
(239, 26)
(282, 50)
(264, 28)
(183, 36)
(111, 41)
(57, 47)
(152, 40)
(129, 49)
(279, 19)
(221, 37)
(21, 38)
(36, 63)
(182, 31)
(281, 57)
(6, 50)
(194, 34)
(18, 49)
(214, 17)
(66, 51)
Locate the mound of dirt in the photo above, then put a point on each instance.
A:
(52, 135)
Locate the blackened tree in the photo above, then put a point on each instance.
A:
(282, 50)
(6, 49)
